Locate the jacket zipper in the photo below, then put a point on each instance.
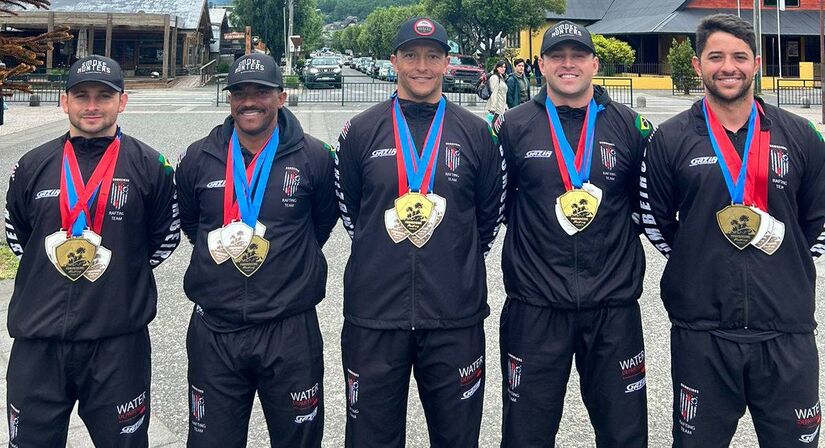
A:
(576, 271)
(68, 309)
(746, 295)
(412, 294)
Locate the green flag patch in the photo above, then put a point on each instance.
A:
(644, 126)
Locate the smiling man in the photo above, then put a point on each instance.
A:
(420, 188)
(734, 195)
(572, 259)
(89, 214)
(257, 203)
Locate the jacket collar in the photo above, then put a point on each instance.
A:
(291, 134)
(697, 116)
(599, 94)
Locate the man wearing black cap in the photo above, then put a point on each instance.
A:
(419, 182)
(257, 203)
(89, 214)
(572, 259)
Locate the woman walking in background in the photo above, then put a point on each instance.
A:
(497, 103)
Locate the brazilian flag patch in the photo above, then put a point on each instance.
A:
(167, 167)
(330, 149)
(818, 134)
(644, 126)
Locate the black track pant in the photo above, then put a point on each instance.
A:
(714, 379)
(108, 377)
(538, 345)
(282, 360)
(449, 370)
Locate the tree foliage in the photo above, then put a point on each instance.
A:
(477, 23)
(335, 10)
(613, 52)
(679, 57)
(267, 20)
(23, 55)
(349, 39)
(381, 26)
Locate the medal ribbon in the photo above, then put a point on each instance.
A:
(245, 187)
(414, 171)
(574, 168)
(751, 170)
(76, 198)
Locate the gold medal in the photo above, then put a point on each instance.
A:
(739, 224)
(420, 238)
(74, 257)
(253, 257)
(578, 207)
(413, 210)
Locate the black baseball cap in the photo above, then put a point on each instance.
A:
(255, 68)
(96, 69)
(420, 28)
(567, 32)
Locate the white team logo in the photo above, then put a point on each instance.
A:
(132, 428)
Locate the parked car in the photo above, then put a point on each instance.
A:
(391, 75)
(384, 69)
(462, 73)
(376, 66)
(365, 63)
(321, 71)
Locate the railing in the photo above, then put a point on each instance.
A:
(363, 89)
(207, 71)
(797, 92)
(788, 70)
(638, 69)
(690, 86)
(48, 87)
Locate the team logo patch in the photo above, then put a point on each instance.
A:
(471, 377)
(809, 419)
(424, 27)
(353, 386)
(132, 409)
(305, 400)
(46, 194)
(197, 408)
(707, 160)
(514, 369)
(452, 157)
(330, 149)
(167, 167)
(608, 155)
(688, 404)
(383, 152)
(292, 178)
(14, 420)
(345, 130)
(643, 126)
(779, 161)
(216, 184)
(119, 193)
(633, 366)
(538, 154)
(131, 429)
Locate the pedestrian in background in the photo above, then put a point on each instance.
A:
(537, 70)
(518, 85)
(497, 103)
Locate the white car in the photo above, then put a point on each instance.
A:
(384, 69)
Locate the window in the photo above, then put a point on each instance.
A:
(514, 40)
(788, 3)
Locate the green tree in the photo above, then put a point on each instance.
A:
(477, 23)
(612, 52)
(348, 39)
(335, 10)
(382, 25)
(679, 57)
(267, 20)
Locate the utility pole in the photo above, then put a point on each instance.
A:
(822, 55)
(288, 41)
(248, 39)
(780, 6)
(757, 28)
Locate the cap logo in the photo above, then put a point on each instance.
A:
(93, 66)
(250, 65)
(566, 29)
(424, 27)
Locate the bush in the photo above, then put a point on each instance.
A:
(223, 67)
(291, 81)
(679, 57)
(613, 52)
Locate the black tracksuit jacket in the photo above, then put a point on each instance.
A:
(141, 229)
(444, 283)
(708, 283)
(604, 264)
(298, 222)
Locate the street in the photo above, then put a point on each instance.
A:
(170, 120)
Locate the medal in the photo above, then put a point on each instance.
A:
(416, 213)
(75, 250)
(742, 224)
(576, 208)
(242, 237)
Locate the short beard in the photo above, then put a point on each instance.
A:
(742, 95)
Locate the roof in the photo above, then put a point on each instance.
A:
(581, 10)
(217, 15)
(636, 16)
(796, 22)
(189, 11)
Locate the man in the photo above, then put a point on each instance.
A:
(733, 193)
(572, 259)
(518, 85)
(89, 214)
(257, 203)
(537, 70)
(420, 188)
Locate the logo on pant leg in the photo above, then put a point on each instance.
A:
(470, 377)
(352, 393)
(132, 412)
(303, 401)
(197, 409)
(634, 369)
(688, 406)
(808, 420)
(514, 368)
(14, 420)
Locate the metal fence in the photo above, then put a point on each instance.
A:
(693, 86)
(48, 87)
(363, 89)
(637, 69)
(797, 92)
